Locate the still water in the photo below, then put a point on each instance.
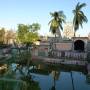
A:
(61, 80)
(58, 77)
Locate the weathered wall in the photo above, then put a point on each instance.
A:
(88, 46)
(64, 46)
(88, 51)
(41, 50)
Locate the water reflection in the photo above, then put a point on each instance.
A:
(55, 75)
(17, 77)
(88, 79)
(52, 77)
(72, 81)
(60, 79)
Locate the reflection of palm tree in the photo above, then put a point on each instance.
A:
(72, 81)
(54, 80)
(55, 77)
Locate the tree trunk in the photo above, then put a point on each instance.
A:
(74, 33)
(74, 28)
(55, 41)
(58, 33)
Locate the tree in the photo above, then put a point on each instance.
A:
(79, 16)
(56, 22)
(28, 33)
(56, 25)
(9, 36)
(22, 30)
(2, 35)
(32, 35)
(35, 27)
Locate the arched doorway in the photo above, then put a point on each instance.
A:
(79, 45)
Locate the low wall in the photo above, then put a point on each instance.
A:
(41, 50)
(69, 55)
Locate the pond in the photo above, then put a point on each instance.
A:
(61, 79)
(56, 77)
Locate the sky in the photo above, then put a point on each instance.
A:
(14, 12)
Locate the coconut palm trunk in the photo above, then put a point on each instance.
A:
(58, 33)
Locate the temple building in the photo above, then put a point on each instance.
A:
(68, 31)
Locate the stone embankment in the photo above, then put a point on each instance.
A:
(59, 61)
(88, 69)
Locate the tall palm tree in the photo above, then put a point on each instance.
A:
(79, 16)
(56, 22)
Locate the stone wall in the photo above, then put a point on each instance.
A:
(88, 46)
(88, 51)
(64, 46)
(41, 50)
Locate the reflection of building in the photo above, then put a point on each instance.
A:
(88, 79)
(68, 30)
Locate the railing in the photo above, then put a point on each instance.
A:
(70, 55)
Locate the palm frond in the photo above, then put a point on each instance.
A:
(57, 21)
(81, 6)
(79, 16)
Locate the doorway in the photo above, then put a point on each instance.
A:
(79, 45)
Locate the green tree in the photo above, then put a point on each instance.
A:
(34, 27)
(56, 22)
(22, 31)
(28, 33)
(31, 37)
(79, 16)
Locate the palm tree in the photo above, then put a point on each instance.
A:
(58, 18)
(79, 16)
(56, 22)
